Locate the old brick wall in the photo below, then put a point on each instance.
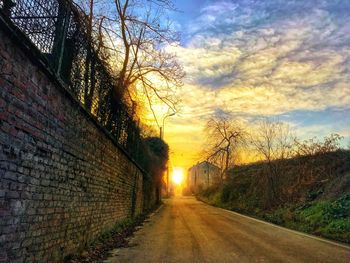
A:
(62, 178)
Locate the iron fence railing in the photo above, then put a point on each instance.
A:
(59, 30)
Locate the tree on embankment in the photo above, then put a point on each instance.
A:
(157, 155)
(224, 137)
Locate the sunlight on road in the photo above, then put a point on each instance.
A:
(178, 175)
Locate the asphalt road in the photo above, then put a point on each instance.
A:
(186, 230)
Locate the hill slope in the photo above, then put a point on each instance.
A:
(310, 194)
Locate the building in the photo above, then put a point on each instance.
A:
(203, 175)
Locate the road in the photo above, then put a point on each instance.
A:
(186, 230)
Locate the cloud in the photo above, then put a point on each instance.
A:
(209, 64)
(252, 58)
(287, 61)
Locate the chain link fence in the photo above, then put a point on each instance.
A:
(60, 31)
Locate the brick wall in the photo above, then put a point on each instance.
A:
(62, 178)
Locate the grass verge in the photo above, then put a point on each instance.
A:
(325, 218)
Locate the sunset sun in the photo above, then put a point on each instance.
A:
(175, 131)
(178, 175)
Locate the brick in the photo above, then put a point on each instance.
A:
(12, 195)
(21, 178)
(45, 182)
(10, 176)
(26, 195)
(62, 176)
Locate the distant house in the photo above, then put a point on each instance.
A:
(203, 175)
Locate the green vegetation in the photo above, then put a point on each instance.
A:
(317, 203)
(329, 218)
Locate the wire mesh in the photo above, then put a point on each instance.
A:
(37, 19)
(58, 29)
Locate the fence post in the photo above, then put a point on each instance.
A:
(61, 31)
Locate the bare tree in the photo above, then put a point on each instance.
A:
(315, 147)
(273, 141)
(146, 66)
(224, 136)
(317, 159)
(135, 34)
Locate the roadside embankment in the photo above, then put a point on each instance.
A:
(312, 194)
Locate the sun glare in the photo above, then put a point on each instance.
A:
(178, 175)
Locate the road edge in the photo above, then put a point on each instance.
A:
(156, 211)
(335, 243)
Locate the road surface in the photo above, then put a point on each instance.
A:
(186, 230)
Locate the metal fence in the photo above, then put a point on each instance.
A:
(58, 29)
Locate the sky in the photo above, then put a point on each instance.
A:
(284, 59)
